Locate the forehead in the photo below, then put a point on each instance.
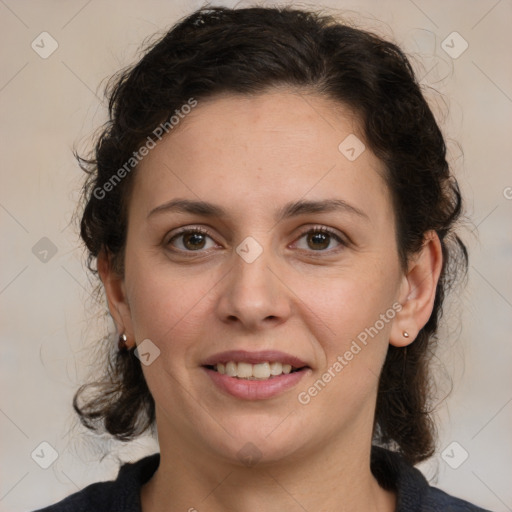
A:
(262, 149)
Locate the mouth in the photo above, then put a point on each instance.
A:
(260, 371)
(255, 375)
(262, 365)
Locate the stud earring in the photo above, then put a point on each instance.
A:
(121, 344)
(405, 334)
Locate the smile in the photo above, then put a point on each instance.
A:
(248, 371)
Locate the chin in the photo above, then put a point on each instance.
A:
(255, 442)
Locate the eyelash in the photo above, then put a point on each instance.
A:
(315, 230)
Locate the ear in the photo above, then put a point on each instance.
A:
(418, 291)
(115, 291)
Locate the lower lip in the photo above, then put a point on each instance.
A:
(255, 389)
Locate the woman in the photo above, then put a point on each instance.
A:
(272, 216)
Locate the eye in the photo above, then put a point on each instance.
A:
(191, 240)
(320, 238)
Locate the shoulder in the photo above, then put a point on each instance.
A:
(414, 494)
(439, 500)
(123, 493)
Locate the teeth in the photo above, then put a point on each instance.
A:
(276, 368)
(244, 370)
(260, 371)
(253, 371)
(231, 369)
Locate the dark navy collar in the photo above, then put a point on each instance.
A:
(414, 494)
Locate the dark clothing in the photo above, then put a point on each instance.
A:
(414, 494)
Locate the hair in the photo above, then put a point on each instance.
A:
(250, 51)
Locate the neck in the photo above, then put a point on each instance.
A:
(320, 480)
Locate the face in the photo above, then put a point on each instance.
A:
(262, 276)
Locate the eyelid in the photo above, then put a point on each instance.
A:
(187, 229)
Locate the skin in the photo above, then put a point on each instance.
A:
(251, 155)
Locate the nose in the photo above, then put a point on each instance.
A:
(253, 294)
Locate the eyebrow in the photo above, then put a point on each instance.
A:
(292, 209)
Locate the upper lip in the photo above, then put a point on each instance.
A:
(244, 356)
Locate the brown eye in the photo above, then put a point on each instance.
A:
(194, 240)
(319, 239)
(190, 240)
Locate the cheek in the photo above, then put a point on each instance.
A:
(368, 309)
(164, 305)
(351, 301)
(357, 314)
(354, 348)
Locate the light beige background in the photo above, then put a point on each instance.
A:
(48, 317)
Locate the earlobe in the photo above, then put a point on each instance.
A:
(418, 292)
(114, 287)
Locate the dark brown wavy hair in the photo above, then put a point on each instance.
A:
(249, 51)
